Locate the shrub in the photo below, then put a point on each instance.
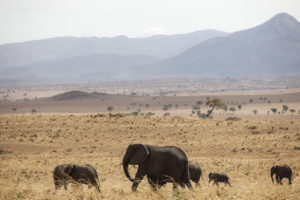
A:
(166, 114)
(233, 118)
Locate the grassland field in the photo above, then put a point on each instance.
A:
(33, 144)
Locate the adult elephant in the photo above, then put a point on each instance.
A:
(160, 164)
(281, 171)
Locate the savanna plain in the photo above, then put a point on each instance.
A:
(33, 144)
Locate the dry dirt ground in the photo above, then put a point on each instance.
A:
(33, 144)
(181, 105)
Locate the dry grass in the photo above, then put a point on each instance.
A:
(33, 144)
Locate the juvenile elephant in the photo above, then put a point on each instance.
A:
(84, 174)
(195, 172)
(218, 178)
(281, 172)
(160, 164)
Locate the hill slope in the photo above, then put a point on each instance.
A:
(53, 49)
(272, 48)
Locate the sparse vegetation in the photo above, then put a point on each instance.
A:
(232, 109)
(110, 108)
(274, 110)
(101, 141)
(214, 103)
(233, 118)
(254, 111)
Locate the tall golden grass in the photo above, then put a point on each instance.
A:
(33, 144)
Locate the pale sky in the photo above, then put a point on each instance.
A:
(23, 20)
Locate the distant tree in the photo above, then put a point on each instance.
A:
(33, 110)
(133, 104)
(269, 101)
(232, 109)
(254, 111)
(265, 98)
(169, 106)
(284, 108)
(199, 103)
(214, 103)
(135, 113)
(165, 107)
(150, 114)
(196, 107)
(251, 100)
(261, 98)
(140, 105)
(166, 114)
(110, 108)
(292, 111)
(14, 109)
(240, 107)
(225, 108)
(176, 106)
(274, 110)
(147, 105)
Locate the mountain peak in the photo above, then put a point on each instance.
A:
(284, 20)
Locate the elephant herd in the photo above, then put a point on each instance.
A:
(159, 164)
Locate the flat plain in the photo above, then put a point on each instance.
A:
(33, 144)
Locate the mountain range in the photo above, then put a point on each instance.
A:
(269, 49)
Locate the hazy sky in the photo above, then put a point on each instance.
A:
(22, 20)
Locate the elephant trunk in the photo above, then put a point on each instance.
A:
(272, 176)
(125, 168)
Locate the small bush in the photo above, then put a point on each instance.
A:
(297, 147)
(166, 114)
(233, 118)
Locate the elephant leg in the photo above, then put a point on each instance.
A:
(227, 182)
(189, 185)
(280, 180)
(152, 180)
(290, 180)
(161, 183)
(175, 186)
(66, 185)
(182, 185)
(138, 178)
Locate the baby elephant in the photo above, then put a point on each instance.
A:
(84, 174)
(218, 178)
(281, 171)
(195, 172)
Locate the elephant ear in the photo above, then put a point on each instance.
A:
(139, 154)
(69, 169)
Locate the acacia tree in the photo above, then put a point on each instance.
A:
(285, 108)
(110, 108)
(214, 103)
(274, 110)
(292, 111)
(254, 111)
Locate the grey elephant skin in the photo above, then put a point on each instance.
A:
(216, 177)
(195, 172)
(160, 164)
(281, 171)
(84, 174)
